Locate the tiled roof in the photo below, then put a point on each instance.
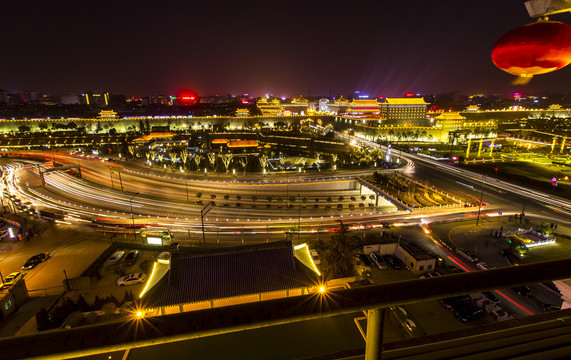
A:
(416, 251)
(229, 272)
(405, 101)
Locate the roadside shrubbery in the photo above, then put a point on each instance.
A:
(57, 317)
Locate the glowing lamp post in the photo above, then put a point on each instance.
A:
(132, 217)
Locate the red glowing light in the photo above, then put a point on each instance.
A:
(534, 49)
(458, 262)
(409, 94)
(515, 303)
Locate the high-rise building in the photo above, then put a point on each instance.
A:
(160, 100)
(3, 96)
(69, 99)
(89, 98)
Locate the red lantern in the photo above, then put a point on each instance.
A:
(534, 49)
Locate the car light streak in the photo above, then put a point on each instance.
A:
(514, 302)
(458, 262)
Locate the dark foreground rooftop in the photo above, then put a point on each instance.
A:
(223, 273)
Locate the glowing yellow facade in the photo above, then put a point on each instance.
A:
(270, 108)
(107, 114)
(403, 110)
(242, 112)
(449, 120)
(363, 108)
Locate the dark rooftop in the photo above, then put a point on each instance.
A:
(416, 251)
(228, 272)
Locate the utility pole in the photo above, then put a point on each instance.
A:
(186, 181)
(111, 177)
(205, 210)
(132, 217)
(480, 205)
(299, 218)
(120, 181)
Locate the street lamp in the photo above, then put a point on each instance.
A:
(480, 204)
(186, 183)
(132, 218)
(298, 219)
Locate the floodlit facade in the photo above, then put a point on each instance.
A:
(411, 111)
(363, 108)
(270, 108)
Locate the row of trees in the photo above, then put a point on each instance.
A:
(291, 199)
(182, 158)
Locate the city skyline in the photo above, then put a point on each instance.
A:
(288, 49)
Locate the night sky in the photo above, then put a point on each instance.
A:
(285, 48)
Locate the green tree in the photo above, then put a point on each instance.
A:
(337, 259)
(24, 128)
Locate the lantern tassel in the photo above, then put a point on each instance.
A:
(522, 79)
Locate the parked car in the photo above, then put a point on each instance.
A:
(394, 261)
(522, 290)
(457, 270)
(467, 255)
(499, 314)
(315, 257)
(548, 307)
(131, 257)
(467, 314)
(131, 279)
(483, 266)
(165, 256)
(493, 298)
(452, 303)
(35, 260)
(378, 260)
(116, 257)
(11, 279)
(364, 259)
